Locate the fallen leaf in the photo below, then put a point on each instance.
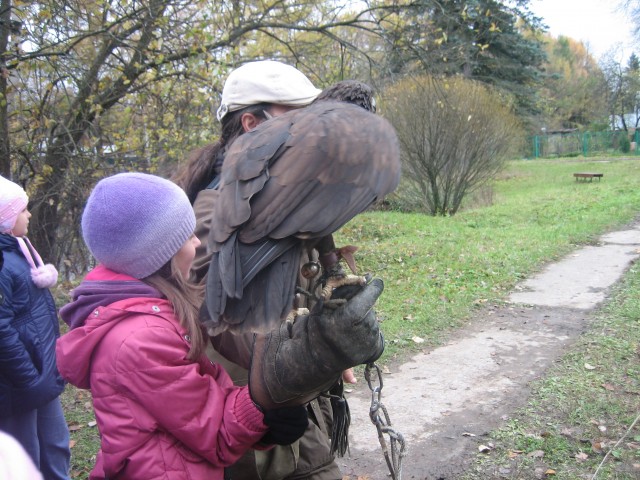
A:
(92, 423)
(633, 445)
(536, 454)
(72, 443)
(602, 428)
(484, 449)
(417, 339)
(75, 427)
(589, 367)
(514, 453)
(608, 386)
(467, 434)
(581, 457)
(567, 432)
(550, 472)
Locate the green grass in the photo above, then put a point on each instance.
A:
(437, 270)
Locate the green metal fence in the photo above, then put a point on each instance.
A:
(586, 144)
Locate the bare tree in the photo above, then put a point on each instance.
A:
(455, 136)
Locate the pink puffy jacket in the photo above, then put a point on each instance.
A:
(160, 415)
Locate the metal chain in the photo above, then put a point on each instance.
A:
(392, 454)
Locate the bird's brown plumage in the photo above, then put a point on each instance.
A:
(291, 181)
(351, 91)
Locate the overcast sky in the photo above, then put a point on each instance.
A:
(595, 22)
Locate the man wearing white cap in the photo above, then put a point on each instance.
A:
(253, 93)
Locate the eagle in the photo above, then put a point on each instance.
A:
(286, 186)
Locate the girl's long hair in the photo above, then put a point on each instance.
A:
(204, 163)
(186, 299)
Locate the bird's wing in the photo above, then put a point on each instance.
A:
(262, 279)
(305, 173)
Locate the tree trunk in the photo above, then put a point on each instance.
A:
(5, 31)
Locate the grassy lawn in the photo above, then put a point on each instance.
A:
(438, 270)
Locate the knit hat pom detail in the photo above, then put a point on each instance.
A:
(45, 276)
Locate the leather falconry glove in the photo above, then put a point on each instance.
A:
(296, 362)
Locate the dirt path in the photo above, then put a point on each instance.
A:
(445, 400)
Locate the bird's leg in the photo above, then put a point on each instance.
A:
(334, 275)
(295, 313)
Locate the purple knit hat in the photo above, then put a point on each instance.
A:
(134, 223)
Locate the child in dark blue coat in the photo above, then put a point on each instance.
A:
(30, 384)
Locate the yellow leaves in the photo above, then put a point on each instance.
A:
(442, 39)
(156, 44)
(45, 14)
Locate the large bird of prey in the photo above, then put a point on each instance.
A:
(285, 186)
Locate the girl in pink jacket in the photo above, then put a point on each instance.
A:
(164, 411)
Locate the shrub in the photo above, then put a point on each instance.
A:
(455, 135)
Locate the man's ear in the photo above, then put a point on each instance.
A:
(250, 121)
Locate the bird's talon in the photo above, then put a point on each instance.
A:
(295, 313)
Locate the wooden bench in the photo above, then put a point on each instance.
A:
(587, 175)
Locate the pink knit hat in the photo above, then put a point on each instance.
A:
(13, 200)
